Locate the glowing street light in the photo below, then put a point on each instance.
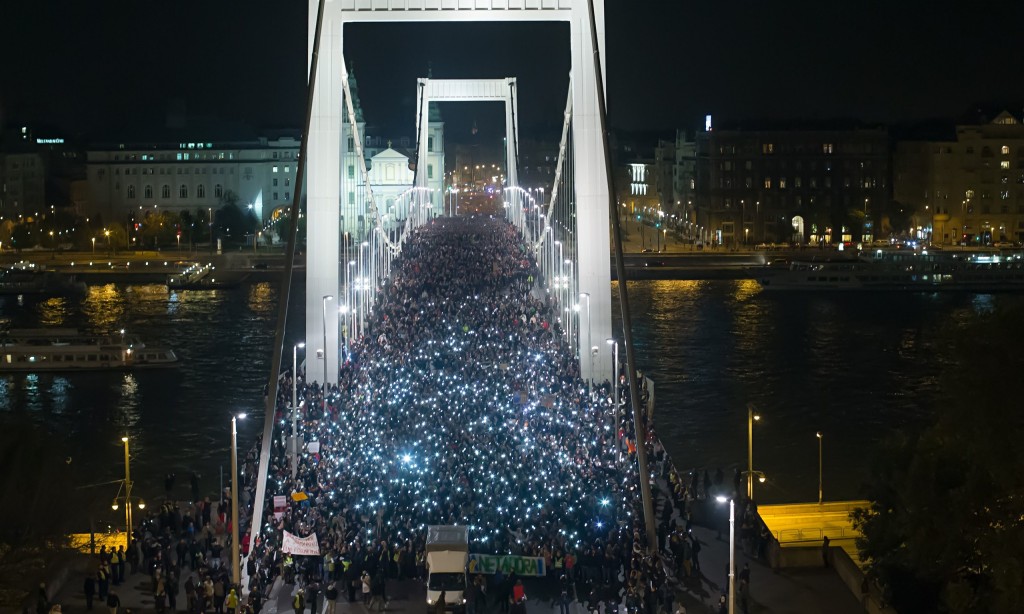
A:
(236, 572)
(732, 551)
(295, 407)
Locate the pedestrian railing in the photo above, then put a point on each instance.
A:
(815, 534)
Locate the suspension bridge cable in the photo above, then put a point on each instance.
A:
(627, 320)
(270, 402)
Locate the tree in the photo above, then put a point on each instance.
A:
(944, 531)
(45, 505)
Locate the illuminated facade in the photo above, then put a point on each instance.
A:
(753, 186)
(968, 187)
(191, 175)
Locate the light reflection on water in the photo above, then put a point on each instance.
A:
(852, 365)
(177, 418)
(855, 366)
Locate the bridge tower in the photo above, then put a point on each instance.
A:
(327, 149)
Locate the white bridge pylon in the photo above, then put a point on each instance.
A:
(326, 150)
(470, 90)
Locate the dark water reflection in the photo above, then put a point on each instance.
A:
(854, 366)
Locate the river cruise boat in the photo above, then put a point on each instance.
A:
(67, 349)
(29, 278)
(925, 270)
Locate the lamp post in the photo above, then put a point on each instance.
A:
(819, 466)
(327, 297)
(127, 494)
(615, 389)
(590, 376)
(127, 485)
(732, 551)
(236, 571)
(295, 407)
(751, 417)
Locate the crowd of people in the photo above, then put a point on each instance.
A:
(182, 551)
(463, 404)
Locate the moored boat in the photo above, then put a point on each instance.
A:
(67, 349)
(909, 270)
(28, 278)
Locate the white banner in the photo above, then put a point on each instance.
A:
(304, 546)
(280, 505)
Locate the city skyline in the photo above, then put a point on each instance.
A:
(104, 69)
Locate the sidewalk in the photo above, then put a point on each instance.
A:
(787, 591)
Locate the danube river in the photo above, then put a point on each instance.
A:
(853, 366)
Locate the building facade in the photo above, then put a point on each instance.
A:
(791, 185)
(255, 172)
(968, 188)
(38, 173)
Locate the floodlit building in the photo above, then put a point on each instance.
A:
(965, 187)
(205, 168)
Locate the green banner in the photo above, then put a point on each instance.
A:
(507, 563)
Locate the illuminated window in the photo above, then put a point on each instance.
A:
(827, 148)
(1004, 194)
(969, 193)
(1005, 150)
(767, 183)
(273, 170)
(165, 191)
(782, 183)
(768, 148)
(183, 191)
(1004, 163)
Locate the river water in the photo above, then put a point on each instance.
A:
(853, 366)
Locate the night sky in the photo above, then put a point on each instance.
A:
(102, 67)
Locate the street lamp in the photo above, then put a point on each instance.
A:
(127, 485)
(590, 375)
(819, 466)
(326, 297)
(295, 407)
(751, 417)
(732, 551)
(94, 245)
(615, 388)
(236, 571)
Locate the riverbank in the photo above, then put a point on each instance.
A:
(150, 267)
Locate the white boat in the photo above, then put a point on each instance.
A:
(921, 271)
(67, 349)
